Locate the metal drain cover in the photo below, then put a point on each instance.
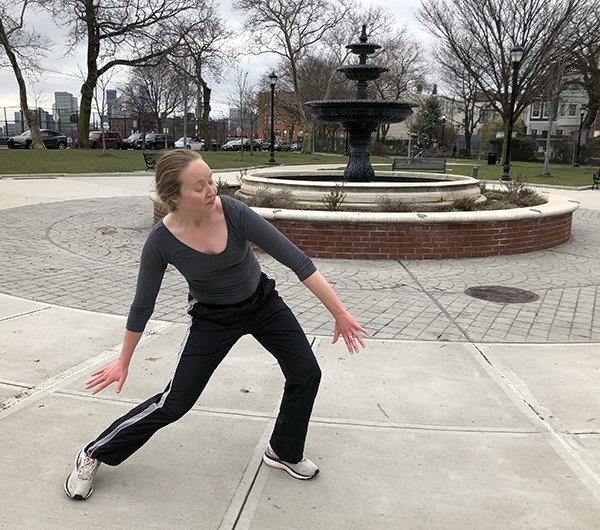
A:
(503, 295)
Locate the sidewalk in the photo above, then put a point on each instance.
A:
(460, 414)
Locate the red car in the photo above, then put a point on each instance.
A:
(112, 140)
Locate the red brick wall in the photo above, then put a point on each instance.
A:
(434, 241)
(428, 241)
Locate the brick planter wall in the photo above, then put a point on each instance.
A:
(372, 241)
(424, 236)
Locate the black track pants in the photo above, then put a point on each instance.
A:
(211, 333)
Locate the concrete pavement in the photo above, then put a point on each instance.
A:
(460, 414)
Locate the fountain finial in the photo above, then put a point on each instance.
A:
(363, 35)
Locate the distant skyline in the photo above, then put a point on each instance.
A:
(62, 74)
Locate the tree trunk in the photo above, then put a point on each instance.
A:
(36, 137)
(87, 89)
(85, 113)
(206, 92)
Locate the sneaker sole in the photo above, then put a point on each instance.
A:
(276, 464)
(77, 497)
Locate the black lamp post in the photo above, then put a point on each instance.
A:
(273, 82)
(516, 55)
(578, 152)
(443, 127)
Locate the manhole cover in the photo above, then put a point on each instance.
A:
(504, 295)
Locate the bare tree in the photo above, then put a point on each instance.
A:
(119, 33)
(401, 54)
(201, 57)
(462, 85)
(161, 88)
(481, 33)
(584, 53)
(22, 49)
(244, 98)
(289, 29)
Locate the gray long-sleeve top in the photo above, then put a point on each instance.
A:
(225, 278)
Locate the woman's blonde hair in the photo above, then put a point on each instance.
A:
(169, 167)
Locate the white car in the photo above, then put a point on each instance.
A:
(193, 142)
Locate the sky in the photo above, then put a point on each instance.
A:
(64, 73)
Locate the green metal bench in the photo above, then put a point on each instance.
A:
(418, 162)
(151, 159)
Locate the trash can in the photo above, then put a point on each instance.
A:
(492, 159)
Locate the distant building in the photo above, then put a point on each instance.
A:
(286, 126)
(66, 110)
(43, 119)
(567, 118)
(111, 98)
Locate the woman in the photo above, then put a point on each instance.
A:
(207, 238)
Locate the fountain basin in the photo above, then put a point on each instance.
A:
(361, 114)
(424, 191)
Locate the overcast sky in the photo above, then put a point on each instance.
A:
(65, 73)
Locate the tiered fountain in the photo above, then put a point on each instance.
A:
(361, 116)
(363, 187)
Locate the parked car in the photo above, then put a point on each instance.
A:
(282, 145)
(51, 139)
(112, 140)
(231, 145)
(129, 142)
(235, 145)
(193, 142)
(156, 141)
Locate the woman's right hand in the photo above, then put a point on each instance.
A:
(100, 379)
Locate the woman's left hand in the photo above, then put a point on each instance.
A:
(348, 328)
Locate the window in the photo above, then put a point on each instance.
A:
(534, 132)
(559, 132)
(546, 106)
(572, 110)
(562, 110)
(544, 134)
(536, 109)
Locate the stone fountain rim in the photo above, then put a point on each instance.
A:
(362, 102)
(554, 207)
(442, 179)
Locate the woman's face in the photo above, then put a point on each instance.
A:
(198, 191)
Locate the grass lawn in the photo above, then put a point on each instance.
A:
(560, 175)
(93, 161)
(21, 161)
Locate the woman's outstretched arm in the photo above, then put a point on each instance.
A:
(345, 325)
(118, 370)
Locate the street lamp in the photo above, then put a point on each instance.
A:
(516, 55)
(577, 153)
(443, 127)
(272, 82)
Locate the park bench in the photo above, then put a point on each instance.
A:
(151, 159)
(596, 180)
(418, 162)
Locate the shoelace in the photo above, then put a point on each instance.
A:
(87, 468)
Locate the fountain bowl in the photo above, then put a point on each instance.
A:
(361, 114)
(422, 191)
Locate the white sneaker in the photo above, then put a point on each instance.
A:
(303, 470)
(80, 483)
